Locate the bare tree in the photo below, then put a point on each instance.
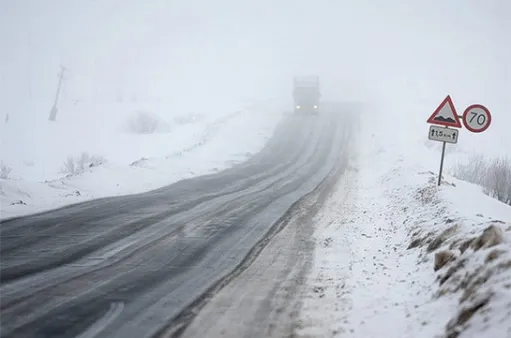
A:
(493, 175)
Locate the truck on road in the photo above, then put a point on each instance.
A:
(306, 94)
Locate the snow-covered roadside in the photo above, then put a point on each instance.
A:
(189, 150)
(396, 256)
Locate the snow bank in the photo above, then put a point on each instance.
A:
(465, 236)
(397, 256)
(77, 158)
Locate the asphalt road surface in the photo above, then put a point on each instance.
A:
(137, 266)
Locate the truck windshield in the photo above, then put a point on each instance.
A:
(307, 94)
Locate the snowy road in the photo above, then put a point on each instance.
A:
(138, 266)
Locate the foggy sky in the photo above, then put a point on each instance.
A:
(402, 52)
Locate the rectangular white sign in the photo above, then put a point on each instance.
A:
(442, 134)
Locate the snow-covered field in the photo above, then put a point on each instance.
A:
(397, 256)
(99, 151)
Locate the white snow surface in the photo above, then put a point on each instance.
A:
(369, 280)
(117, 161)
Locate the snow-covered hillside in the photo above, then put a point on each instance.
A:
(85, 155)
(398, 256)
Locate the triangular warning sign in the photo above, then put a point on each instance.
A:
(445, 114)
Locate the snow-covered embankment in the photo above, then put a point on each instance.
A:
(77, 159)
(397, 256)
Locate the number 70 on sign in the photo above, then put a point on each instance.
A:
(476, 118)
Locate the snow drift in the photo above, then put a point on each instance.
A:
(89, 154)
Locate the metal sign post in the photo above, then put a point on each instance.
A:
(441, 165)
(444, 135)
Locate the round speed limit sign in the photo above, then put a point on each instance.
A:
(477, 118)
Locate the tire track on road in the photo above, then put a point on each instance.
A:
(74, 252)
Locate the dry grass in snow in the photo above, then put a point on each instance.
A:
(467, 242)
(494, 174)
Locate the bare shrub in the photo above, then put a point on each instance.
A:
(69, 166)
(474, 170)
(498, 179)
(82, 162)
(96, 161)
(494, 175)
(77, 165)
(5, 171)
(145, 123)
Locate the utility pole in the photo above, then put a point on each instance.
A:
(54, 109)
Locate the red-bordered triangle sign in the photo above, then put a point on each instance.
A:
(445, 114)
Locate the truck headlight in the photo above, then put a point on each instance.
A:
(297, 107)
(315, 107)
